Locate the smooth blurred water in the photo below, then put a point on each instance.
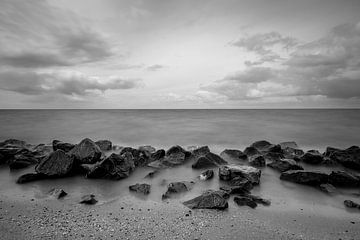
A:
(315, 129)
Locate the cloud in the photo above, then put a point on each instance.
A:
(327, 67)
(36, 34)
(155, 67)
(63, 83)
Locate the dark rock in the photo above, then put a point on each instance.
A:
(312, 157)
(349, 157)
(147, 148)
(42, 150)
(140, 188)
(19, 164)
(57, 164)
(261, 145)
(305, 177)
(200, 151)
(209, 200)
(141, 158)
(242, 190)
(234, 154)
(152, 174)
(259, 200)
(230, 172)
(328, 188)
(351, 204)
(66, 147)
(250, 151)
(245, 201)
(30, 177)
(177, 149)
(104, 145)
(314, 151)
(330, 150)
(57, 193)
(114, 167)
(2, 159)
(284, 165)
(343, 179)
(177, 187)
(158, 155)
(292, 153)
(208, 174)
(208, 160)
(88, 199)
(172, 160)
(22, 159)
(86, 152)
(257, 161)
(270, 156)
(285, 145)
(13, 143)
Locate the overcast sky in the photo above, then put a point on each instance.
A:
(179, 53)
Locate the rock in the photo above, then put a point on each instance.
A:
(292, 153)
(257, 161)
(250, 151)
(351, 204)
(177, 149)
(312, 157)
(172, 160)
(242, 190)
(261, 145)
(19, 164)
(230, 172)
(327, 188)
(2, 159)
(86, 152)
(259, 200)
(57, 193)
(208, 174)
(141, 158)
(22, 159)
(159, 154)
(152, 174)
(30, 177)
(207, 161)
(140, 188)
(13, 143)
(104, 145)
(343, 179)
(305, 177)
(42, 150)
(270, 156)
(284, 165)
(177, 187)
(330, 150)
(250, 200)
(114, 167)
(349, 157)
(233, 154)
(208, 200)
(66, 147)
(147, 148)
(88, 199)
(200, 151)
(292, 144)
(56, 164)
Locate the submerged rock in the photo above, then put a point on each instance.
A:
(140, 188)
(251, 201)
(327, 188)
(351, 204)
(57, 193)
(209, 200)
(251, 151)
(177, 187)
(241, 189)
(30, 177)
(208, 160)
(147, 148)
(104, 145)
(152, 174)
(22, 159)
(199, 151)
(344, 179)
(234, 154)
(312, 157)
(291, 144)
(284, 165)
(57, 164)
(66, 147)
(88, 199)
(231, 172)
(208, 174)
(305, 177)
(349, 157)
(141, 157)
(86, 152)
(114, 167)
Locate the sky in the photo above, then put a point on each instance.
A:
(147, 54)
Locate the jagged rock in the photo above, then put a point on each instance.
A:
(177, 187)
(251, 151)
(291, 150)
(171, 160)
(343, 179)
(30, 177)
(312, 157)
(328, 188)
(257, 161)
(57, 193)
(230, 172)
(349, 157)
(86, 152)
(241, 189)
(141, 158)
(208, 174)
(351, 204)
(234, 154)
(114, 167)
(22, 159)
(56, 164)
(270, 156)
(199, 151)
(42, 150)
(250, 200)
(292, 144)
(140, 188)
(177, 149)
(13, 143)
(159, 154)
(208, 160)
(305, 177)
(261, 145)
(147, 148)
(284, 165)
(209, 200)
(66, 147)
(104, 145)
(88, 199)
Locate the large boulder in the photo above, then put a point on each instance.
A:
(114, 167)
(344, 179)
(141, 157)
(177, 149)
(312, 157)
(157, 155)
(305, 177)
(251, 151)
(140, 188)
(66, 147)
(86, 152)
(284, 165)
(291, 150)
(257, 161)
(56, 164)
(349, 157)
(261, 145)
(104, 145)
(177, 187)
(174, 156)
(231, 172)
(209, 200)
(208, 160)
(233, 154)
